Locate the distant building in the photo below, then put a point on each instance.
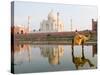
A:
(20, 30)
(52, 24)
(94, 25)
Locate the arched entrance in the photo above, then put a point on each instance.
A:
(22, 31)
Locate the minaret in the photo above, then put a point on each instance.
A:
(57, 21)
(28, 24)
(71, 24)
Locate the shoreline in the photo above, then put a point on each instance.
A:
(52, 42)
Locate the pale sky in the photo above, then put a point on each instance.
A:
(81, 15)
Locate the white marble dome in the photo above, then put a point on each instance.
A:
(52, 16)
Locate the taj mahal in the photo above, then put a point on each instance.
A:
(52, 24)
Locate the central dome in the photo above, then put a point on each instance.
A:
(52, 16)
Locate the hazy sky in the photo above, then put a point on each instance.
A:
(81, 15)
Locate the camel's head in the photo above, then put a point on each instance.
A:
(89, 35)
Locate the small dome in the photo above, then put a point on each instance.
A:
(52, 16)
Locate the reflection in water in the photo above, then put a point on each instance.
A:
(80, 61)
(19, 50)
(53, 53)
(94, 50)
(35, 58)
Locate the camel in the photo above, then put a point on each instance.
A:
(80, 39)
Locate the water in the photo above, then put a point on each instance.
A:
(40, 58)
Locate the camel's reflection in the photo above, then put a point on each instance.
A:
(80, 61)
